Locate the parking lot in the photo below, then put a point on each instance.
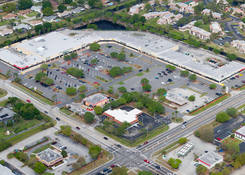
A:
(200, 148)
(96, 75)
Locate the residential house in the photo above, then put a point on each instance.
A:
(24, 12)
(78, 10)
(206, 12)
(222, 1)
(215, 27)
(23, 27)
(10, 16)
(182, 7)
(196, 31)
(216, 15)
(169, 18)
(5, 31)
(155, 14)
(49, 18)
(241, 25)
(37, 9)
(64, 14)
(136, 9)
(239, 44)
(35, 23)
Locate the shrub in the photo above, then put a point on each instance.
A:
(192, 77)
(174, 163)
(71, 91)
(212, 86)
(192, 98)
(182, 140)
(94, 47)
(222, 117)
(78, 73)
(89, 117)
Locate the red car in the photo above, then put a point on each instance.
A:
(29, 101)
(146, 161)
(146, 142)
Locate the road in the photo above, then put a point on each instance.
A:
(135, 158)
(124, 156)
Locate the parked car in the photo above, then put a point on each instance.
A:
(77, 128)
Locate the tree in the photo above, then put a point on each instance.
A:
(222, 117)
(65, 130)
(94, 47)
(9, 7)
(161, 91)
(212, 86)
(232, 112)
(80, 162)
(82, 88)
(48, 11)
(182, 140)
(46, 3)
(39, 168)
(147, 6)
(191, 98)
(61, 8)
(94, 151)
(64, 153)
(94, 61)
(145, 173)
(44, 67)
(146, 87)
(24, 4)
(115, 71)
(206, 133)
(201, 170)
(170, 67)
(89, 117)
(122, 89)
(174, 163)
(67, 1)
(4, 144)
(95, 3)
(184, 73)
(192, 77)
(119, 171)
(114, 54)
(71, 91)
(98, 110)
(28, 111)
(121, 56)
(144, 81)
(78, 73)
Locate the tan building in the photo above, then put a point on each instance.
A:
(196, 31)
(215, 27)
(49, 157)
(95, 100)
(136, 9)
(239, 44)
(9, 16)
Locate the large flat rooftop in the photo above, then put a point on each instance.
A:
(52, 45)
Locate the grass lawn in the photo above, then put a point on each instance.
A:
(66, 111)
(139, 140)
(105, 157)
(140, 74)
(3, 93)
(40, 149)
(32, 14)
(213, 103)
(2, 76)
(2, 103)
(121, 82)
(18, 127)
(38, 96)
(5, 22)
(28, 133)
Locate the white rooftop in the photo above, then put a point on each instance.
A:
(210, 159)
(37, 50)
(241, 131)
(5, 171)
(123, 115)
